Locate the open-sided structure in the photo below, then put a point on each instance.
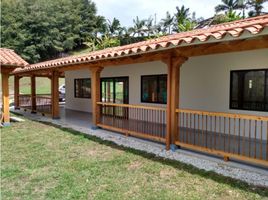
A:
(205, 89)
(9, 61)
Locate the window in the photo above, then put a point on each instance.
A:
(249, 90)
(154, 89)
(82, 88)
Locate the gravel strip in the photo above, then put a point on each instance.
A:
(250, 174)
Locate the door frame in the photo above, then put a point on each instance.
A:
(125, 94)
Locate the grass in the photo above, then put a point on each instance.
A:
(40, 161)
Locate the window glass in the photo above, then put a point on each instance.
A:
(249, 90)
(154, 89)
(83, 88)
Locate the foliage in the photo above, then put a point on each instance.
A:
(41, 29)
(228, 17)
(256, 7)
(228, 6)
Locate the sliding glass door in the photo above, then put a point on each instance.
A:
(115, 90)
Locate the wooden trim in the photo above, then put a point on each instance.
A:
(222, 114)
(223, 154)
(132, 106)
(33, 93)
(5, 98)
(173, 64)
(132, 133)
(55, 95)
(17, 91)
(95, 94)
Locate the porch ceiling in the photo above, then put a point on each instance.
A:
(240, 35)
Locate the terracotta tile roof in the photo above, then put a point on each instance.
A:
(218, 32)
(9, 58)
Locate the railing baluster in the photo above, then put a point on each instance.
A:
(261, 140)
(255, 139)
(249, 139)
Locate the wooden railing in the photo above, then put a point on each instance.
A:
(25, 101)
(136, 120)
(43, 103)
(238, 136)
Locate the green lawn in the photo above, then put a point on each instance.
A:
(43, 162)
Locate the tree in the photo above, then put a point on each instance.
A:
(113, 27)
(228, 6)
(256, 7)
(167, 23)
(138, 26)
(182, 20)
(43, 29)
(148, 26)
(182, 14)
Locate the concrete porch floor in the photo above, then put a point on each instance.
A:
(81, 121)
(77, 118)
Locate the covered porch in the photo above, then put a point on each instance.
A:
(236, 135)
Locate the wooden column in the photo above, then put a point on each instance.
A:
(17, 91)
(33, 94)
(173, 86)
(55, 111)
(95, 94)
(5, 98)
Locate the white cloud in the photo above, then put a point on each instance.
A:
(127, 10)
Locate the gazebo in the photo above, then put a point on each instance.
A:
(9, 61)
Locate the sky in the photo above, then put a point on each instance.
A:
(127, 10)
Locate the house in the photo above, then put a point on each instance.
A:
(205, 90)
(9, 61)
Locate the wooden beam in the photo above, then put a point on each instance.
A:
(5, 98)
(223, 47)
(33, 94)
(55, 112)
(148, 57)
(173, 64)
(17, 92)
(95, 94)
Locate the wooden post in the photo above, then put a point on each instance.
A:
(55, 95)
(17, 91)
(95, 94)
(33, 94)
(5, 98)
(173, 86)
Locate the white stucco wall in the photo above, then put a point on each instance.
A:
(205, 80)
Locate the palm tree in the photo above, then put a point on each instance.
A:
(227, 6)
(113, 27)
(243, 5)
(256, 7)
(138, 26)
(181, 14)
(167, 23)
(149, 28)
